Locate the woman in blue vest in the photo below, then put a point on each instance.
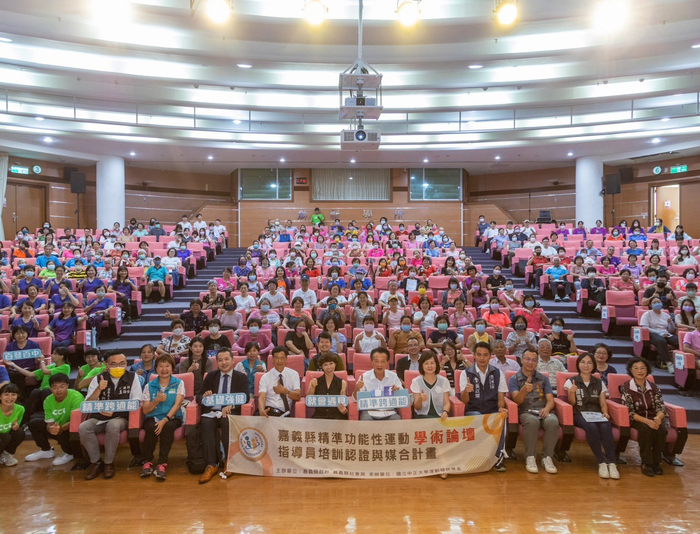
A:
(162, 406)
(586, 393)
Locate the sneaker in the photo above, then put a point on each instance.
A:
(614, 473)
(531, 465)
(597, 308)
(603, 471)
(147, 470)
(500, 466)
(161, 301)
(657, 469)
(669, 368)
(160, 471)
(40, 455)
(567, 299)
(63, 459)
(10, 460)
(557, 299)
(548, 465)
(3, 457)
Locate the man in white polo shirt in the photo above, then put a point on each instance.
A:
(378, 378)
(278, 387)
(306, 294)
(393, 291)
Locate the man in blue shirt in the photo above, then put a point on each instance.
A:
(157, 230)
(156, 275)
(48, 254)
(557, 277)
(432, 250)
(590, 250)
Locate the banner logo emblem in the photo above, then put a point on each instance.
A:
(252, 443)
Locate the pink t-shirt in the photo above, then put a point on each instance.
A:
(692, 339)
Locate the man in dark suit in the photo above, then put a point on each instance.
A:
(214, 429)
(410, 362)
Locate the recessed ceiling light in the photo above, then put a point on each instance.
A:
(273, 186)
(570, 154)
(219, 10)
(48, 139)
(352, 160)
(210, 157)
(132, 153)
(244, 66)
(656, 140)
(408, 12)
(497, 158)
(236, 121)
(425, 160)
(8, 40)
(39, 118)
(476, 66)
(315, 12)
(694, 46)
(471, 123)
(282, 160)
(350, 178)
(665, 119)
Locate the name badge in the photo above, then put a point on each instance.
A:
(326, 401)
(99, 406)
(28, 354)
(226, 399)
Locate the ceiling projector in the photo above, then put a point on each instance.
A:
(360, 139)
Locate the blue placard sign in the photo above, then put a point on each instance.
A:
(99, 406)
(326, 401)
(227, 399)
(28, 354)
(385, 399)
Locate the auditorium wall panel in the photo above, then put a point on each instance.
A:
(254, 214)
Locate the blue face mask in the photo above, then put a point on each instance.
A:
(254, 329)
(481, 328)
(442, 327)
(557, 329)
(406, 327)
(265, 308)
(657, 306)
(252, 277)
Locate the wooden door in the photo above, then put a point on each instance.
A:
(689, 202)
(668, 205)
(9, 212)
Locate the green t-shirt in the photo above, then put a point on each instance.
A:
(60, 411)
(44, 379)
(317, 218)
(6, 422)
(92, 373)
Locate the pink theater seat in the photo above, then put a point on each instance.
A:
(619, 310)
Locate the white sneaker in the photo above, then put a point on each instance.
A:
(603, 471)
(3, 457)
(10, 460)
(597, 308)
(548, 465)
(669, 368)
(63, 459)
(39, 455)
(531, 465)
(614, 473)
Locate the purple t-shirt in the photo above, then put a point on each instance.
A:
(38, 302)
(29, 364)
(100, 305)
(52, 286)
(91, 287)
(124, 288)
(29, 326)
(64, 328)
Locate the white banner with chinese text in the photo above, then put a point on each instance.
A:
(318, 448)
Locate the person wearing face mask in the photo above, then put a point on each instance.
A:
(215, 341)
(255, 334)
(276, 298)
(548, 251)
(436, 339)
(520, 339)
(97, 309)
(595, 287)
(537, 262)
(691, 293)
(61, 329)
(689, 275)
(24, 279)
(480, 336)
(562, 344)
(157, 231)
(476, 296)
(156, 275)
(510, 298)
(48, 255)
(495, 318)
(659, 228)
(496, 281)
(534, 315)
(116, 383)
(685, 318)
(269, 317)
(558, 279)
(661, 332)
(454, 292)
(616, 235)
(684, 258)
(369, 339)
(661, 290)
(194, 319)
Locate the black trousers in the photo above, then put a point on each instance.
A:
(35, 405)
(11, 440)
(126, 306)
(19, 380)
(651, 442)
(214, 431)
(167, 438)
(37, 426)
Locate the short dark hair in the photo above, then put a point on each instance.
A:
(424, 357)
(59, 378)
(251, 345)
(111, 353)
(9, 388)
(482, 345)
(280, 348)
(327, 358)
(637, 359)
(379, 350)
(254, 320)
(165, 358)
(325, 335)
(93, 352)
(581, 357)
(197, 302)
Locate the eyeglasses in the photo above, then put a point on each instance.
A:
(530, 360)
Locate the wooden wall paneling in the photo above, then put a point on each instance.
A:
(690, 202)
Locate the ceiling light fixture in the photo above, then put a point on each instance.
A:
(694, 46)
(210, 158)
(506, 11)
(611, 16)
(132, 153)
(425, 160)
(656, 140)
(48, 139)
(315, 12)
(352, 160)
(408, 12)
(236, 121)
(570, 154)
(474, 67)
(282, 160)
(244, 65)
(219, 11)
(665, 119)
(497, 158)
(8, 40)
(350, 178)
(39, 118)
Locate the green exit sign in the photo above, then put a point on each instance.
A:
(16, 169)
(678, 169)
